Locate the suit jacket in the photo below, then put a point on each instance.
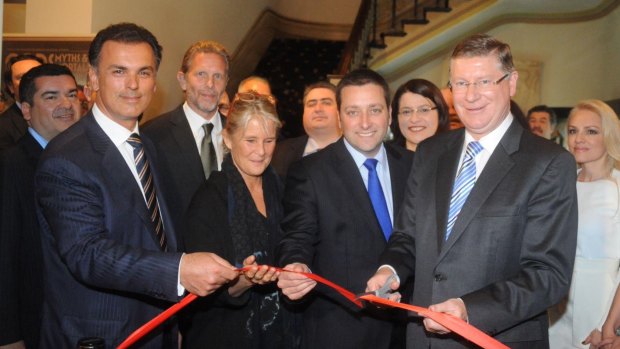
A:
(182, 172)
(330, 226)
(21, 260)
(105, 272)
(287, 152)
(12, 126)
(511, 251)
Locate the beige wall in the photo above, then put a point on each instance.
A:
(64, 18)
(320, 11)
(579, 60)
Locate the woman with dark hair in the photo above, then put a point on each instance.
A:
(237, 214)
(418, 112)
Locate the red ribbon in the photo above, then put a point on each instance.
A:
(450, 322)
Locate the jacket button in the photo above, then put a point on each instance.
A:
(439, 277)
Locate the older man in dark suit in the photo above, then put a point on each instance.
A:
(339, 204)
(489, 222)
(110, 252)
(12, 123)
(50, 105)
(188, 139)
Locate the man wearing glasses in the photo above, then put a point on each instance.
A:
(189, 138)
(488, 225)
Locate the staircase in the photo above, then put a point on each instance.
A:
(386, 28)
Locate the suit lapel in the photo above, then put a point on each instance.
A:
(398, 176)
(446, 171)
(495, 170)
(114, 166)
(349, 174)
(186, 146)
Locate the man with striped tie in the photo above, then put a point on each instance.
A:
(488, 224)
(110, 252)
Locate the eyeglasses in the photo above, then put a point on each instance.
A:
(253, 96)
(482, 85)
(422, 111)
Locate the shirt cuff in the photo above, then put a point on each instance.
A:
(180, 288)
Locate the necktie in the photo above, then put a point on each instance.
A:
(207, 151)
(465, 180)
(377, 198)
(146, 179)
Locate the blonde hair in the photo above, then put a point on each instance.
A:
(610, 127)
(243, 110)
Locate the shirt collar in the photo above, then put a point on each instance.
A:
(359, 158)
(117, 133)
(490, 141)
(196, 121)
(42, 141)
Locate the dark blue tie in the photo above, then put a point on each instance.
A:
(377, 198)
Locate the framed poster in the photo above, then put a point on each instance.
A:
(69, 51)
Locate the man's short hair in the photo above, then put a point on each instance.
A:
(483, 45)
(360, 77)
(320, 84)
(8, 70)
(553, 118)
(127, 33)
(204, 46)
(255, 77)
(27, 86)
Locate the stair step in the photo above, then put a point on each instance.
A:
(414, 21)
(437, 9)
(394, 32)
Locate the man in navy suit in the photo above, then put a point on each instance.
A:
(332, 226)
(500, 255)
(110, 264)
(50, 105)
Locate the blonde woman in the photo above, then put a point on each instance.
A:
(593, 133)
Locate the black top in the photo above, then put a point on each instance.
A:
(223, 219)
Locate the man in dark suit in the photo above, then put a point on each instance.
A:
(320, 121)
(489, 222)
(110, 253)
(331, 225)
(50, 105)
(12, 123)
(180, 136)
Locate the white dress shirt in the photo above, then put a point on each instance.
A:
(195, 124)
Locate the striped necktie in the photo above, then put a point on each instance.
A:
(465, 180)
(146, 179)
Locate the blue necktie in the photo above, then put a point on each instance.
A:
(146, 179)
(377, 198)
(465, 180)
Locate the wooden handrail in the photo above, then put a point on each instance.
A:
(355, 37)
